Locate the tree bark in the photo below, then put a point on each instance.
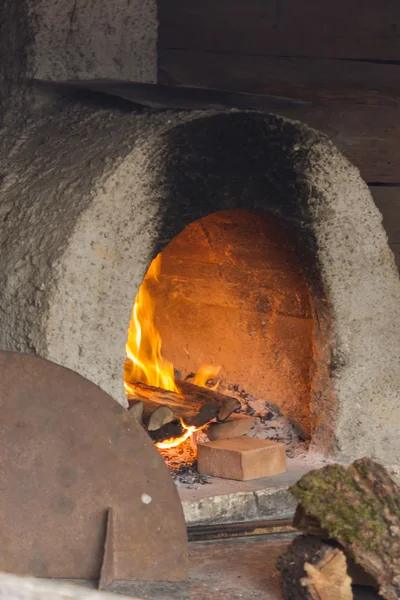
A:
(359, 507)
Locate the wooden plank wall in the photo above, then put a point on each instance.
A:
(342, 56)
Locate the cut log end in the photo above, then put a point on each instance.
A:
(161, 416)
(136, 410)
(328, 578)
(314, 568)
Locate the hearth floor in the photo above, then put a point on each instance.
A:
(242, 569)
(239, 569)
(225, 500)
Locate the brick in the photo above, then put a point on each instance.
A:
(241, 458)
(235, 426)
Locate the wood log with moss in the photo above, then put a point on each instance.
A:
(359, 507)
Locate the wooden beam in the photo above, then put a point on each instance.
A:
(343, 29)
(387, 200)
(315, 80)
(367, 135)
(395, 248)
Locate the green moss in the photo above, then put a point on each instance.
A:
(343, 505)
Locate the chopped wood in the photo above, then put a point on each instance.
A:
(136, 409)
(195, 405)
(227, 408)
(227, 404)
(358, 507)
(206, 414)
(161, 416)
(166, 432)
(312, 568)
(153, 397)
(328, 579)
(235, 426)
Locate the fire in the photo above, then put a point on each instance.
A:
(206, 373)
(143, 350)
(144, 341)
(173, 442)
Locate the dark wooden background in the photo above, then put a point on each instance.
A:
(343, 56)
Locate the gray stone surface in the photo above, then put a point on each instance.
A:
(228, 501)
(13, 587)
(89, 196)
(89, 39)
(67, 39)
(95, 39)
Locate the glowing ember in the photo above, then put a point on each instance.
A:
(173, 442)
(177, 457)
(145, 362)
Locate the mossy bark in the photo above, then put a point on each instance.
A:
(359, 507)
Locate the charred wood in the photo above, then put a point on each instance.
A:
(193, 404)
(167, 431)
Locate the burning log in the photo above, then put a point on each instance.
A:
(194, 405)
(169, 431)
(187, 409)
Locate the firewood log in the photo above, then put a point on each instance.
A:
(187, 404)
(161, 416)
(166, 432)
(136, 409)
(206, 414)
(313, 569)
(359, 507)
(328, 578)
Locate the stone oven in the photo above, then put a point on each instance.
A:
(275, 262)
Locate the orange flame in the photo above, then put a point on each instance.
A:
(206, 373)
(144, 341)
(173, 442)
(143, 350)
